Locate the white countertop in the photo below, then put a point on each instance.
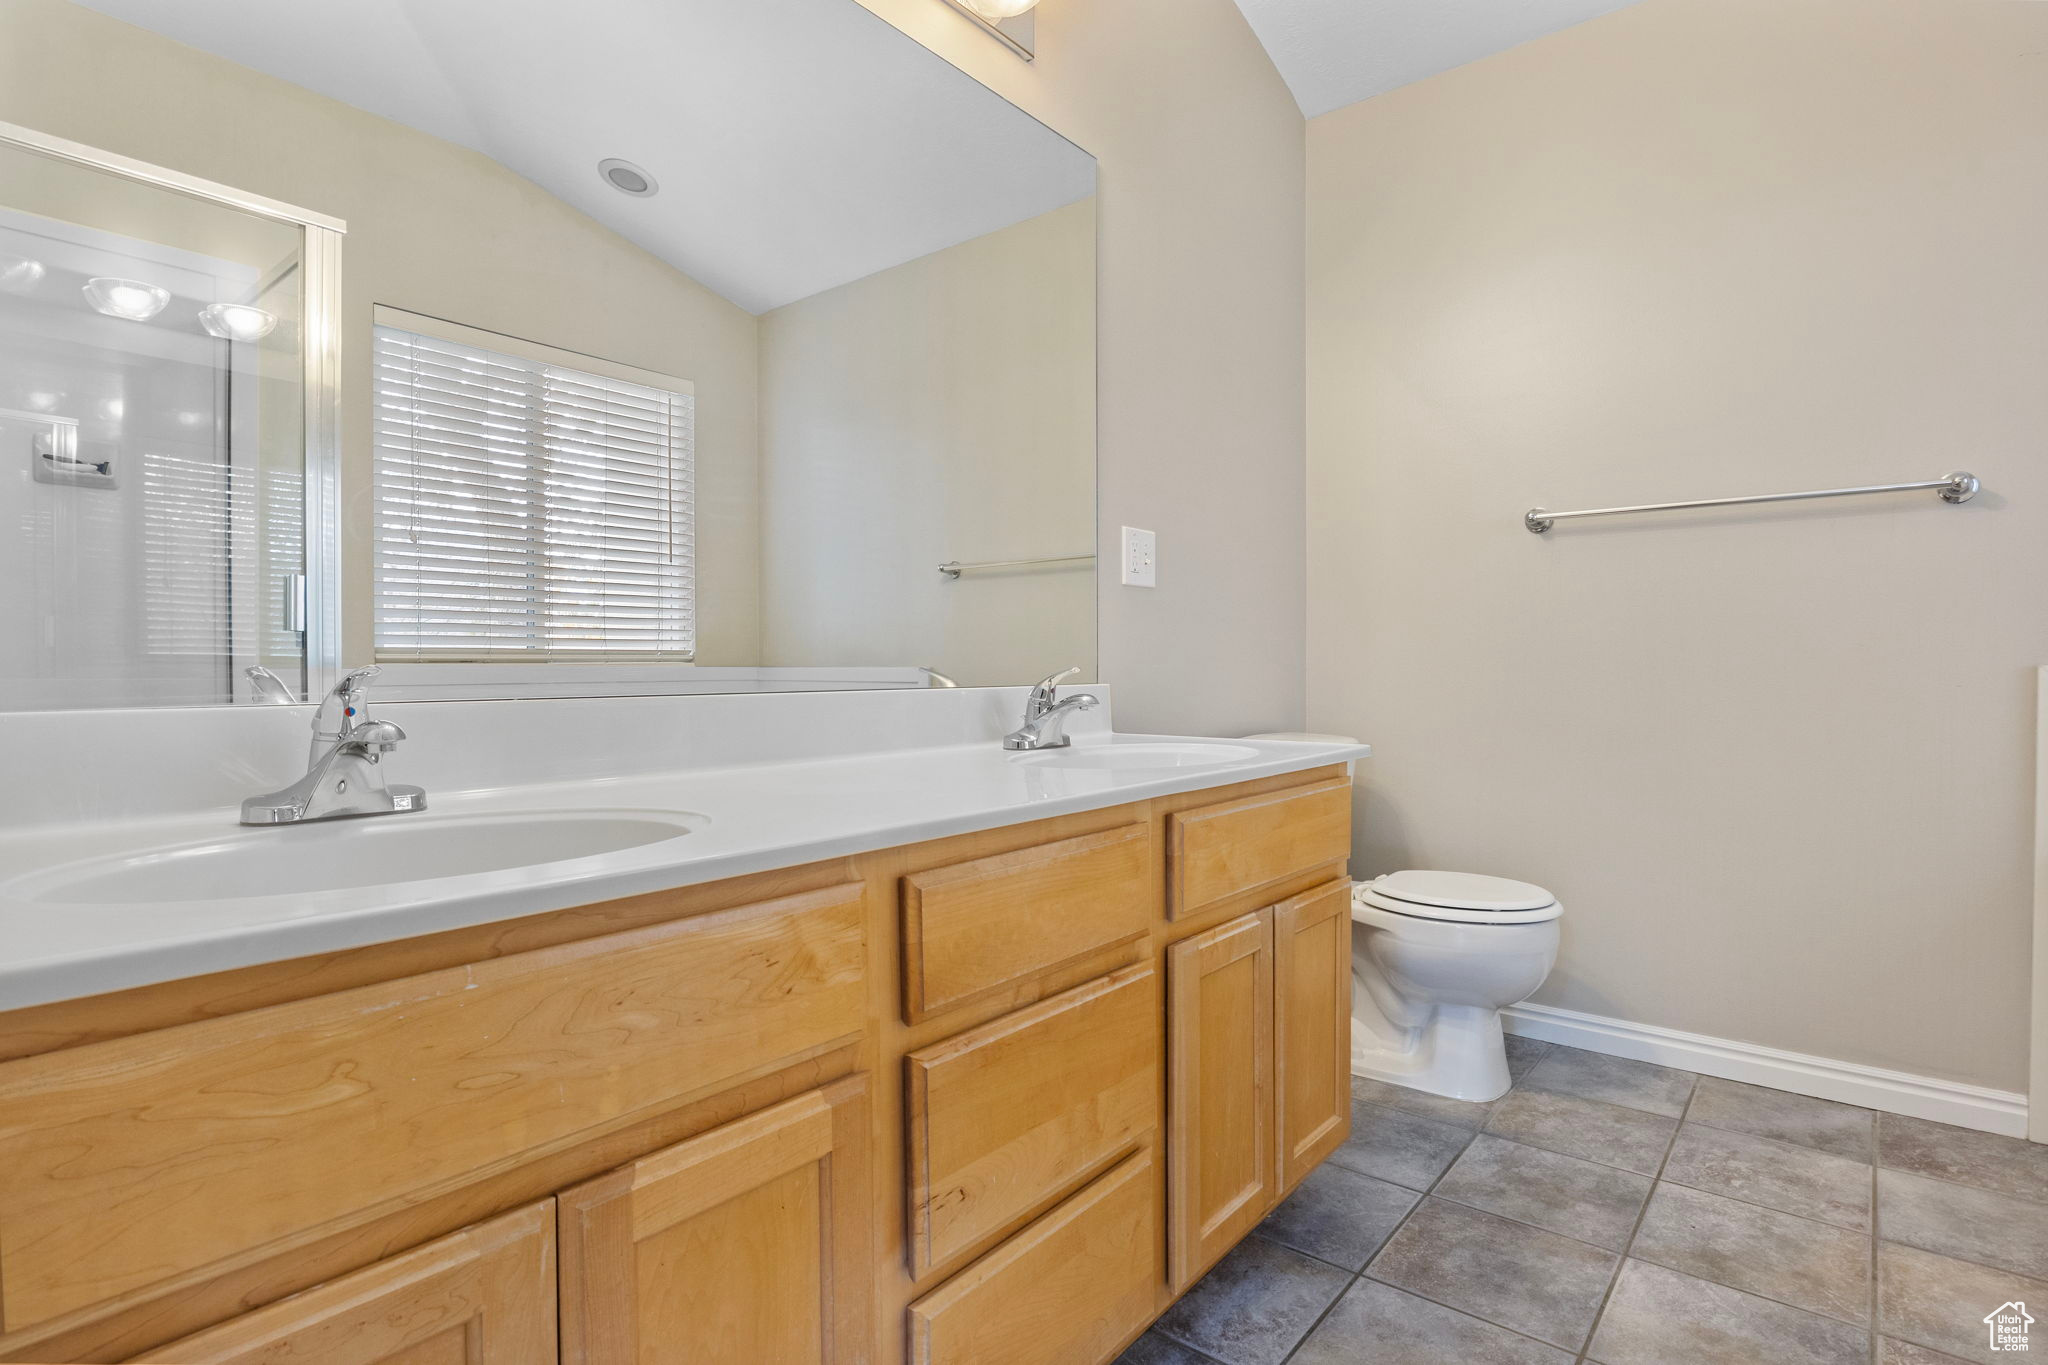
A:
(746, 817)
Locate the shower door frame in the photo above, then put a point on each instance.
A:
(320, 347)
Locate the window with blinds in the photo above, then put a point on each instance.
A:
(528, 511)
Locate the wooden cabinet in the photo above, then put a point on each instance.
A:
(1219, 1045)
(974, 927)
(1006, 1117)
(1258, 1023)
(1237, 848)
(1311, 1028)
(753, 1242)
(1070, 1289)
(990, 1100)
(486, 1293)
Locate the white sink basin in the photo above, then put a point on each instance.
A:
(337, 854)
(1140, 757)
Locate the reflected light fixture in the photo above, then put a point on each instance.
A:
(995, 11)
(19, 274)
(627, 178)
(130, 299)
(236, 321)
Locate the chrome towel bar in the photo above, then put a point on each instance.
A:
(953, 568)
(1957, 487)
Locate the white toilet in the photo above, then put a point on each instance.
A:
(1435, 956)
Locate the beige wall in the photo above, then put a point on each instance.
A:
(1776, 763)
(433, 229)
(1199, 337)
(940, 410)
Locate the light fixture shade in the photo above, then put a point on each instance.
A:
(236, 321)
(995, 11)
(19, 274)
(130, 299)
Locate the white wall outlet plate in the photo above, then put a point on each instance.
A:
(1141, 558)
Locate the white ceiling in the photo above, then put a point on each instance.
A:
(799, 144)
(1337, 52)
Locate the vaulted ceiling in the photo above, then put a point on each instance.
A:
(798, 144)
(1337, 52)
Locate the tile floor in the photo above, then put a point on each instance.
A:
(1616, 1212)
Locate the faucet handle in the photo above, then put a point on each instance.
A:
(1042, 694)
(331, 719)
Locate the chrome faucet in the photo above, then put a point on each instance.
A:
(344, 775)
(1045, 719)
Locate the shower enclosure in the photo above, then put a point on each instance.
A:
(165, 371)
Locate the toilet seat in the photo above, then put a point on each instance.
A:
(1456, 897)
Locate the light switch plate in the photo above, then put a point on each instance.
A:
(1141, 558)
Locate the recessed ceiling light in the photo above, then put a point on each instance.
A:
(130, 299)
(627, 178)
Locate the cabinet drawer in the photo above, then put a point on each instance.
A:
(130, 1163)
(976, 926)
(1067, 1290)
(1237, 847)
(1005, 1117)
(486, 1293)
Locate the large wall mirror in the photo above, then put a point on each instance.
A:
(668, 345)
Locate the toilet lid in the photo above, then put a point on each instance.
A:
(1461, 891)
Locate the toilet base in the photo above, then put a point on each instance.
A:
(1459, 1053)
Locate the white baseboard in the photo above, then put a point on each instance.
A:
(1894, 1092)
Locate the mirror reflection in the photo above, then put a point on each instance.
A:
(522, 358)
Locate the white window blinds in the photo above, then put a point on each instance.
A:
(528, 511)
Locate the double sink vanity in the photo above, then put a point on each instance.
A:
(783, 1028)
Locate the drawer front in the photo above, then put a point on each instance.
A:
(486, 1293)
(129, 1163)
(1067, 1290)
(974, 927)
(1237, 847)
(1005, 1117)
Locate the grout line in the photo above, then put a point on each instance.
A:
(1772, 1208)
(1621, 1261)
(1876, 1334)
(1471, 1136)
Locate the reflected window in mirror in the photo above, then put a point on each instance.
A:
(532, 506)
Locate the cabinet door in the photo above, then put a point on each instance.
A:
(486, 1293)
(752, 1242)
(1312, 1026)
(1220, 1126)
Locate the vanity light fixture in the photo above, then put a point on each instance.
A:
(19, 274)
(995, 11)
(1009, 22)
(236, 321)
(627, 178)
(130, 299)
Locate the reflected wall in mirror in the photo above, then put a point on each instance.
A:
(708, 421)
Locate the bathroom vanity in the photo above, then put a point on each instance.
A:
(997, 1095)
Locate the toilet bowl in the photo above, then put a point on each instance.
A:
(1435, 957)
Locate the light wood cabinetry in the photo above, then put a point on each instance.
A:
(1233, 848)
(974, 927)
(1220, 1125)
(484, 1294)
(1311, 1028)
(1258, 1025)
(753, 1242)
(993, 1099)
(1070, 1289)
(1004, 1117)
